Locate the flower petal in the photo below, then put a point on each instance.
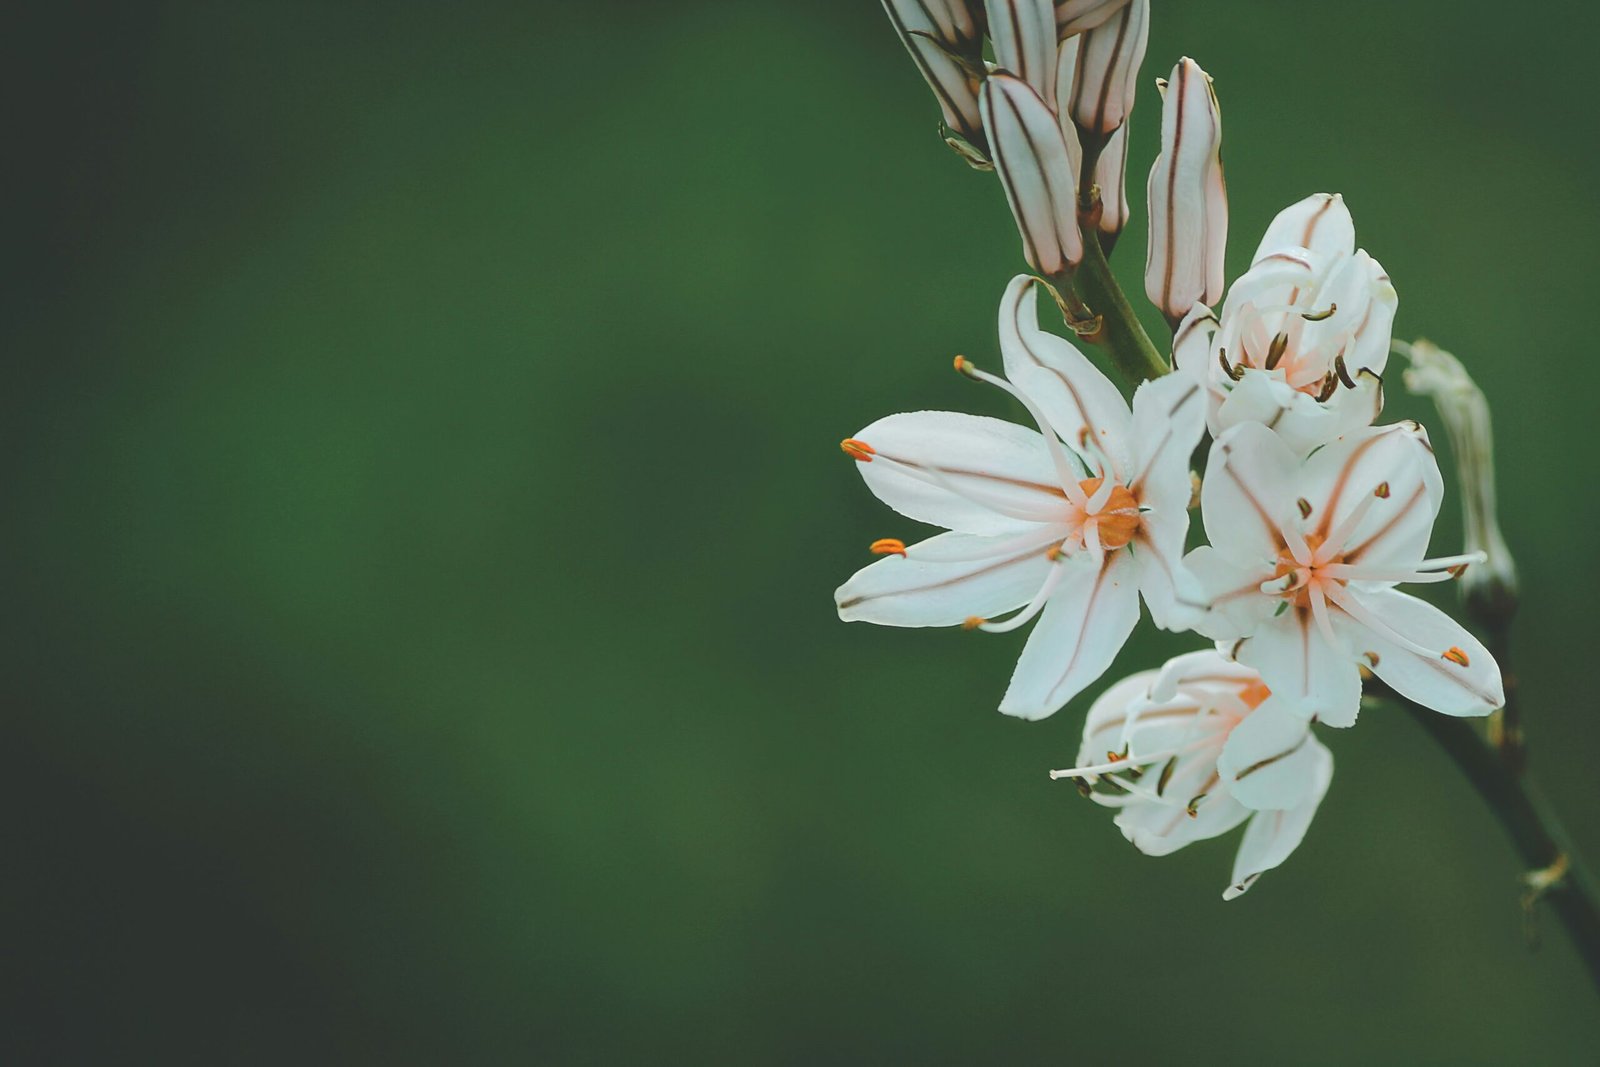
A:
(1303, 669)
(1081, 404)
(1035, 167)
(1250, 481)
(1272, 836)
(1435, 681)
(1264, 397)
(1229, 597)
(1268, 758)
(1077, 636)
(1024, 36)
(948, 579)
(1161, 829)
(963, 472)
(1320, 223)
(1187, 199)
(1108, 69)
(1388, 474)
(1075, 16)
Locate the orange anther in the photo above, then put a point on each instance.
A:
(887, 546)
(857, 450)
(973, 622)
(1053, 553)
(1456, 656)
(1382, 492)
(964, 365)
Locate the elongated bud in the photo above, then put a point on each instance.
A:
(945, 39)
(1111, 166)
(1024, 36)
(1075, 16)
(1188, 198)
(1490, 587)
(1108, 70)
(1035, 167)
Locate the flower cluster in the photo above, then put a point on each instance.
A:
(1312, 513)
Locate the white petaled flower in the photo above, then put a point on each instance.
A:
(1304, 335)
(1075, 16)
(1302, 565)
(945, 39)
(1036, 169)
(1107, 71)
(1024, 36)
(1188, 198)
(1069, 523)
(1190, 751)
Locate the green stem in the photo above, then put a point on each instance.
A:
(1123, 338)
(1532, 826)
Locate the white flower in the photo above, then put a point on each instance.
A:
(1106, 71)
(1036, 169)
(945, 39)
(1304, 557)
(1190, 751)
(1304, 335)
(1188, 197)
(1070, 524)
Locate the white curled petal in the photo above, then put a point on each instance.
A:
(1035, 168)
(1272, 836)
(1080, 403)
(1432, 680)
(1268, 758)
(1374, 334)
(1191, 343)
(1231, 604)
(1249, 487)
(963, 472)
(948, 579)
(1348, 476)
(1302, 669)
(1263, 397)
(1024, 36)
(1078, 634)
(1320, 223)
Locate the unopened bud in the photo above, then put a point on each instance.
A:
(1035, 167)
(1075, 16)
(1107, 72)
(945, 39)
(1024, 36)
(1111, 166)
(1188, 198)
(1490, 587)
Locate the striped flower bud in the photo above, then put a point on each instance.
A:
(1107, 71)
(1110, 174)
(945, 39)
(1188, 198)
(1035, 167)
(1024, 36)
(1075, 16)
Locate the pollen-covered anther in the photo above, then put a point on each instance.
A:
(1382, 491)
(859, 451)
(1318, 316)
(887, 546)
(963, 365)
(1118, 520)
(1457, 571)
(973, 622)
(1456, 656)
(1372, 658)
(1305, 507)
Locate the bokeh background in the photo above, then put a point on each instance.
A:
(423, 508)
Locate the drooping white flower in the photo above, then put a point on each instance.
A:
(1037, 170)
(1024, 36)
(945, 39)
(1190, 751)
(1106, 71)
(1069, 523)
(1188, 197)
(1075, 16)
(1304, 334)
(1302, 565)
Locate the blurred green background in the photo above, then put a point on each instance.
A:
(424, 506)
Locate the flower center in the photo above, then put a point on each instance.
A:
(1117, 519)
(1299, 577)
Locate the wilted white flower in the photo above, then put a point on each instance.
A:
(1069, 523)
(945, 39)
(1191, 751)
(1303, 560)
(1036, 168)
(1304, 335)
(1106, 71)
(1188, 198)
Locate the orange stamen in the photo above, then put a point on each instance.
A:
(973, 622)
(1119, 519)
(1456, 656)
(859, 451)
(887, 546)
(1253, 694)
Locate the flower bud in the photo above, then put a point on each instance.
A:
(945, 39)
(1107, 70)
(1110, 174)
(1035, 167)
(1075, 16)
(1491, 586)
(1024, 36)
(1188, 198)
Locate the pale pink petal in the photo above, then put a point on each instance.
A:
(948, 579)
(1320, 223)
(1389, 476)
(1262, 397)
(1435, 679)
(1302, 669)
(1229, 595)
(1272, 836)
(1249, 494)
(1077, 636)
